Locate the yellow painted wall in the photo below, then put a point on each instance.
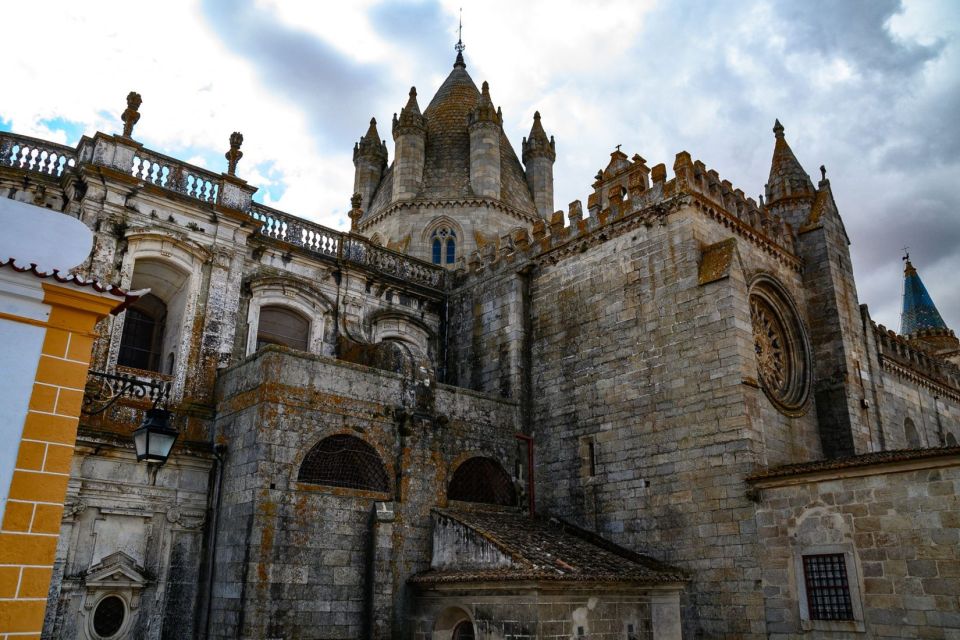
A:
(31, 522)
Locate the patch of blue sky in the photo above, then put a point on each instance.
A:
(5, 124)
(73, 130)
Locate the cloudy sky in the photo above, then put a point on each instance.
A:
(871, 89)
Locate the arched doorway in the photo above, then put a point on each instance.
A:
(463, 631)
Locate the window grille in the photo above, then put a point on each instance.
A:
(108, 618)
(828, 592)
(344, 461)
(142, 334)
(482, 480)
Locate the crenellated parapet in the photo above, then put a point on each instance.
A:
(901, 355)
(730, 206)
(628, 194)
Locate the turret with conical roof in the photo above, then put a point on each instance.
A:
(539, 154)
(920, 321)
(369, 161)
(454, 175)
(485, 133)
(409, 136)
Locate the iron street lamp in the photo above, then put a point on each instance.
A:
(155, 437)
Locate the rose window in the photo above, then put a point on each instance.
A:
(780, 345)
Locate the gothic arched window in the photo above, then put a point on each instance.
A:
(444, 243)
(344, 461)
(482, 480)
(279, 325)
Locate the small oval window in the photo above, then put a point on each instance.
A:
(108, 617)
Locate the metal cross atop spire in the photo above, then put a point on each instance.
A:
(906, 253)
(460, 46)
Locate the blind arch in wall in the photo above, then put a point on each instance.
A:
(343, 460)
(482, 480)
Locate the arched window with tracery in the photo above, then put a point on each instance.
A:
(279, 325)
(444, 244)
(344, 461)
(482, 480)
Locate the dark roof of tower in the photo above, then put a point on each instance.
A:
(446, 171)
(787, 176)
(919, 312)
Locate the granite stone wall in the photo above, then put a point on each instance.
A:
(298, 560)
(898, 526)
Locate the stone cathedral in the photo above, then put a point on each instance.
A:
(661, 415)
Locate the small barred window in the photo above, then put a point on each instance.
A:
(482, 480)
(344, 461)
(828, 591)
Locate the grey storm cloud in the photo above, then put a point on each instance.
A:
(328, 86)
(878, 109)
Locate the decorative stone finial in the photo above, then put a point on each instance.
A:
(131, 115)
(778, 129)
(356, 211)
(823, 172)
(233, 156)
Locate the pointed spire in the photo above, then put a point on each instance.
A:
(537, 145)
(459, 63)
(787, 177)
(484, 112)
(371, 146)
(919, 313)
(410, 116)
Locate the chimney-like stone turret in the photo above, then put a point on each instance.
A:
(539, 153)
(485, 132)
(410, 138)
(369, 161)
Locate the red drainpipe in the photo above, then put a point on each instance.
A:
(530, 485)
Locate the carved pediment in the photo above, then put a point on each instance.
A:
(117, 570)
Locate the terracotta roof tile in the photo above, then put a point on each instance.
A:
(129, 297)
(549, 549)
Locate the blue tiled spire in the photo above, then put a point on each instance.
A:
(919, 312)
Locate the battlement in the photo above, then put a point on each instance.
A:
(628, 189)
(901, 351)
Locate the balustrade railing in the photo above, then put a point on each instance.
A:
(319, 239)
(163, 171)
(362, 251)
(172, 174)
(31, 154)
